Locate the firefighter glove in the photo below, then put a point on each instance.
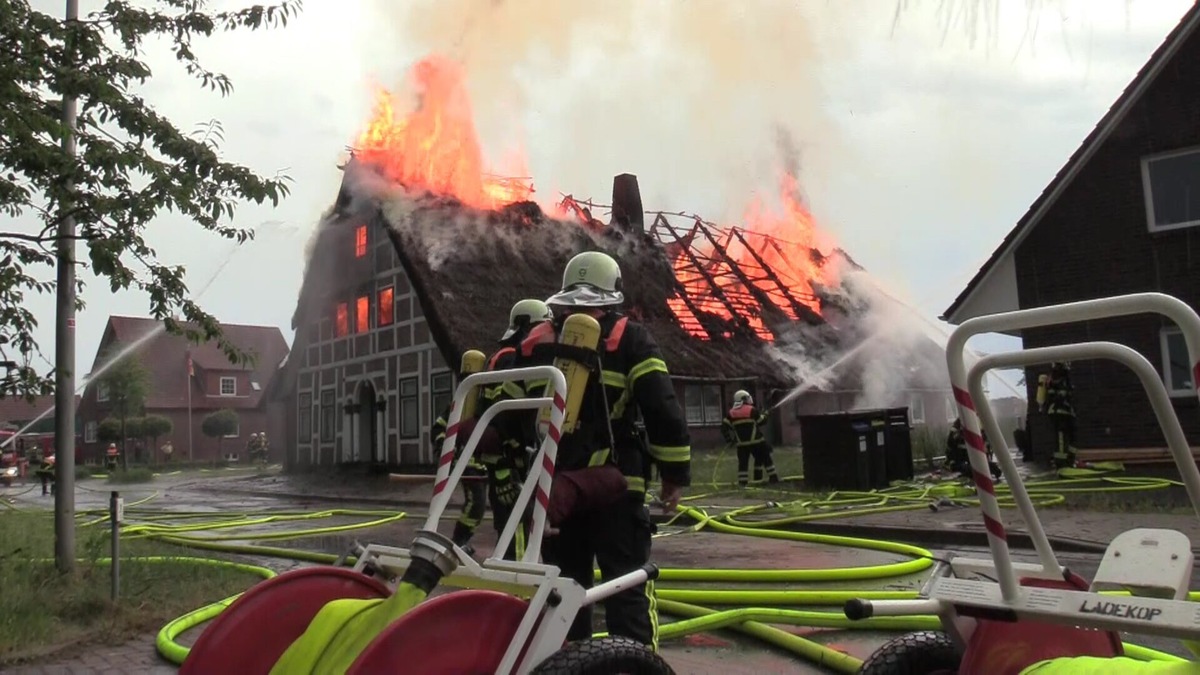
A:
(507, 490)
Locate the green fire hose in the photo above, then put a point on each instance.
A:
(749, 611)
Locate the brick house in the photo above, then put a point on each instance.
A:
(215, 383)
(1118, 218)
(395, 291)
(17, 412)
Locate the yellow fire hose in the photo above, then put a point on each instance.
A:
(752, 610)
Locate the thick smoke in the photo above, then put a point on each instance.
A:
(686, 95)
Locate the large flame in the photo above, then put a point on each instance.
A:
(435, 147)
(773, 259)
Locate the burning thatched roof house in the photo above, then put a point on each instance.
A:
(400, 284)
(423, 253)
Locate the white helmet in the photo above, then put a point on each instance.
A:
(742, 397)
(524, 314)
(591, 279)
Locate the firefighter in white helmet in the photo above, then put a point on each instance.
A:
(743, 429)
(599, 519)
(505, 459)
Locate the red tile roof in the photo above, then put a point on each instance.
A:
(15, 409)
(165, 357)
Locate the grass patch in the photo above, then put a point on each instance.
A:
(42, 611)
(134, 474)
(720, 466)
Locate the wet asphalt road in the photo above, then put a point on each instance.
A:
(722, 652)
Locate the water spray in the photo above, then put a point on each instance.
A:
(135, 345)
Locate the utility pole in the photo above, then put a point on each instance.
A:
(64, 349)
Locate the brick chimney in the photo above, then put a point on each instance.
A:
(627, 211)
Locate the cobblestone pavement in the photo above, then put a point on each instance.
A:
(135, 656)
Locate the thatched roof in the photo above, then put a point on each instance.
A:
(469, 266)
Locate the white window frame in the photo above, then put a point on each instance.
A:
(1164, 350)
(1148, 189)
(705, 420)
(914, 399)
(90, 430)
(101, 392)
(237, 431)
(221, 386)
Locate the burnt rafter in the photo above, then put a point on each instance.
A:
(732, 265)
(713, 286)
(659, 223)
(798, 307)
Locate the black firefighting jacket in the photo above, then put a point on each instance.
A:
(1058, 396)
(437, 432)
(630, 376)
(742, 426)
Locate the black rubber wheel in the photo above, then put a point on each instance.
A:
(604, 656)
(923, 653)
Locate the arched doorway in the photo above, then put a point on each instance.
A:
(367, 446)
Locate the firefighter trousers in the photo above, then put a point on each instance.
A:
(761, 452)
(474, 506)
(617, 538)
(502, 510)
(1064, 440)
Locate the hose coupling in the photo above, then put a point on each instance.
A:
(432, 558)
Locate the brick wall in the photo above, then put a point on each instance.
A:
(1094, 243)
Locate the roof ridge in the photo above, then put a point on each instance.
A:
(1112, 118)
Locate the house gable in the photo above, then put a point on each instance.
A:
(994, 287)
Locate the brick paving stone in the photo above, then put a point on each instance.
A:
(135, 656)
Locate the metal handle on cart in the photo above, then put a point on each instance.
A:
(542, 472)
(858, 609)
(647, 572)
(1137, 303)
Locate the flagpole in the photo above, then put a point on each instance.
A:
(189, 389)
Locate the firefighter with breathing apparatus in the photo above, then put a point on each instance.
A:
(614, 370)
(474, 490)
(507, 465)
(743, 429)
(1054, 398)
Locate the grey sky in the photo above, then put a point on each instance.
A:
(921, 147)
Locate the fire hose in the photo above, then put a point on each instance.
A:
(753, 609)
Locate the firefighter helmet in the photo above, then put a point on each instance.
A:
(524, 314)
(742, 397)
(591, 279)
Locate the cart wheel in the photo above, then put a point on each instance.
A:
(605, 656)
(923, 653)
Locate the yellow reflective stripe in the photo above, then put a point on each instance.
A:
(618, 409)
(651, 365)
(519, 538)
(635, 483)
(612, 378)
(654, 615)
(442, 421)
(598, 458)
(682, 453)
(501, 474)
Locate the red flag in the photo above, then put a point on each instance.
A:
(191, 372)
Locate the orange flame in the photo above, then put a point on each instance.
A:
(435, 146)
(767, 261)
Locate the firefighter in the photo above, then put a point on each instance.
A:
(597, 519)
(45, 472)
(956, 452)
(508, 466)
(110, 456)
(474, 491)
(1056, 403)
(742, 428)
